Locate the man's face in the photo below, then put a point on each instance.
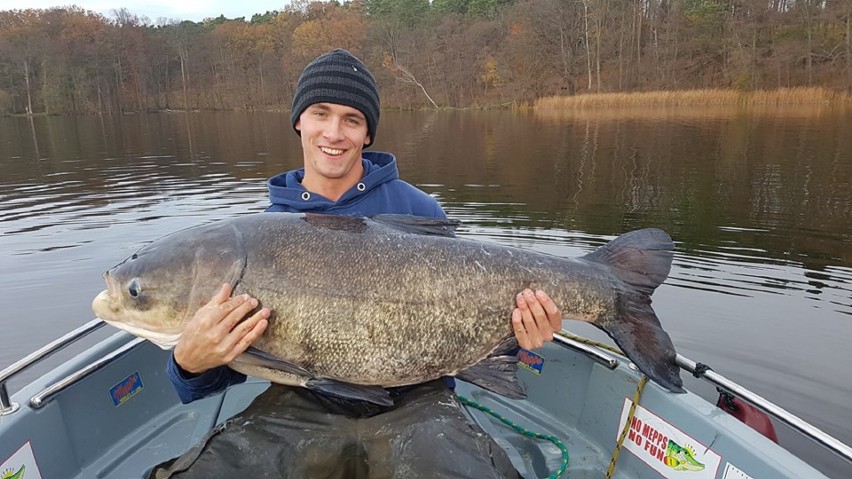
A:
(333, 137)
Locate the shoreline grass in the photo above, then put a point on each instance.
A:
(696, 98)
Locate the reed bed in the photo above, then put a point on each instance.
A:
(696, 98)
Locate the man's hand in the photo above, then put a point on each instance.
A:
(535, 319)
(216, 335)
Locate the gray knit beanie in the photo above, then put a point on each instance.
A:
(338, 77)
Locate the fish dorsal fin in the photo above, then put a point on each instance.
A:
(422, 225)
(641, 258)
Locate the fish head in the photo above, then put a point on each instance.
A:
(153, 293)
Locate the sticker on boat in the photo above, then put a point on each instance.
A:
(531, 361)
(667, 449)
(126, 389)
(731, 472)
(20, 465)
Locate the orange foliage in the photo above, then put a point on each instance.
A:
(337, 28)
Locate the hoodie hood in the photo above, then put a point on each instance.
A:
(286, 189)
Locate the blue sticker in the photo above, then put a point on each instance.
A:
(126, 389)
(531, 361)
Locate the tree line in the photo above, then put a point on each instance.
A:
(438, 54)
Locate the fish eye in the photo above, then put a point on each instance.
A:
(134, 289)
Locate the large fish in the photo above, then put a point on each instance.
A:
(359, 304)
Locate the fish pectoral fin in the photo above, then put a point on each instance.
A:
(497, 374)
(331, 387)
(420, 225)
(256, 357)
(374, 394)
(508, 346)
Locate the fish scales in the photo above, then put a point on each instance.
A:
(400, 328)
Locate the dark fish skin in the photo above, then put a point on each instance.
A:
(392, 300)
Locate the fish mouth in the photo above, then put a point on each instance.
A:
(103, 307)
(163, 339)
(107, 304)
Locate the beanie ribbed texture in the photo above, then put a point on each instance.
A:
(338, 77)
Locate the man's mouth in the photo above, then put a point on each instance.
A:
(331, 151)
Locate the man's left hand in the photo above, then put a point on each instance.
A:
(535, 319)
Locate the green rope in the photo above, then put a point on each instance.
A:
(555, 440)
(619, 444)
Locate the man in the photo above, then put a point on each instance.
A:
(293, 432)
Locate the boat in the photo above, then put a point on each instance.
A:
(111, 412)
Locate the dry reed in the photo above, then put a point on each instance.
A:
(696, 98)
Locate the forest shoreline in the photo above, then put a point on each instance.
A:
(424, 55)
(670, 99)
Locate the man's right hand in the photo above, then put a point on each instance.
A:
(217, 333)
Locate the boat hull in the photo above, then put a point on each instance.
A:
(123, 418)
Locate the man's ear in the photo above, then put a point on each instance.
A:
(368, 141)
(298, 125)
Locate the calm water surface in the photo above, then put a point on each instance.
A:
(759, 205)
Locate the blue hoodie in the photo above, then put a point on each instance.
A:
(380, 191)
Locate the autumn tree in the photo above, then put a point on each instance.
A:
(327, 26)
(21, 45)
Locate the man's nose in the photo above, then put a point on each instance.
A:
(333, 129)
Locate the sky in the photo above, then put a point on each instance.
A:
(195, 10)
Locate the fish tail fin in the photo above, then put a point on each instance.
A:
(642, 259)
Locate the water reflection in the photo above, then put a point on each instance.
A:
(760, 206)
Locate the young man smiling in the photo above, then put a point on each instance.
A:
(333, 137)
(308, 434)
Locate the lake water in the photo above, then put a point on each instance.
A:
(758, 203)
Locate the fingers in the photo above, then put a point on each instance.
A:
(224, 312)
(237, 329)
(554, 315)
(255, 326)
(528, 307)
(535, 319)
(234, 310)
(520, 330)
(223, 294)
(220, 331)
(245, 333)
(213, 312)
